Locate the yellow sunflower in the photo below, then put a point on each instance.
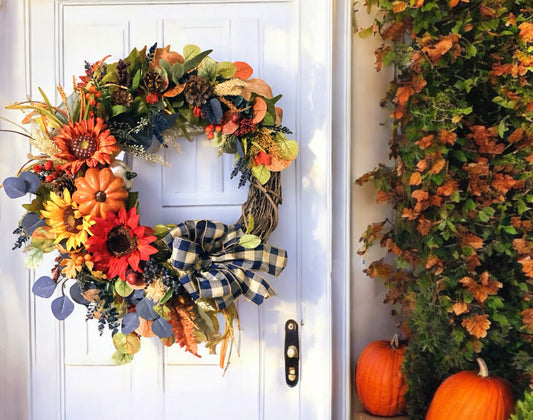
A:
(65, 220)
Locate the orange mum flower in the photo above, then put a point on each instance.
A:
(86, 142)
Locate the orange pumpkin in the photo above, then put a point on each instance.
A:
(472, 396)
(380, 383)
(98, 192)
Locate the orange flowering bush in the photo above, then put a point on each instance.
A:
(461, 185)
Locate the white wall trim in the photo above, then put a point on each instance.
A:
(341, 247)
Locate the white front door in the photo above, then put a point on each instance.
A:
(72, 376)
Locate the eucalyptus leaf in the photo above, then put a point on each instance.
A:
(15, 187)
(161, 328)
(130, 322)
(31, 221)
(44, 287)
(62, 307)
(145, 309)
(32, 180)
(76, 294)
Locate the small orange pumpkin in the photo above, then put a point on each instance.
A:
(98, 192)
(380, 383)
(472, 396)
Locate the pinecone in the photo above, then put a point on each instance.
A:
(64, 181)
(123, 78)
(121, 97)
(153, 81)
(197, 90)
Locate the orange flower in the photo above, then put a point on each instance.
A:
(86, 142)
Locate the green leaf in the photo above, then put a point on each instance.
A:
(288, 149)
(268, 119)
(118, 109)
(123, 288)
(226, 69)
(249, 241)
(167, 296)
(195, 61)
(162, 310)
(129, 344)
(190, 51)
(121, 358)
(208, 70)
(132, 200)
(251, 223)
(365, 33)
(261, 173)
(176, 72)
(510, 229)
(135, 81)
(34, 258)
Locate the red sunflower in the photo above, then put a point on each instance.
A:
(86, 142)
(119, 243)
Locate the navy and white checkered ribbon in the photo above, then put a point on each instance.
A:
(217, 267)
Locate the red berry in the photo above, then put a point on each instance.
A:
(92, 88)
(48, 165)
(37, 168)
(210, 135)
(87, 95)
(218, 128)
(98, 94)
(132, 278)
(55, 175)
(209, 128)
(92, 102)
(48, 178)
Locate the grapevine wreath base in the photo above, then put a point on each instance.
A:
(168, 281)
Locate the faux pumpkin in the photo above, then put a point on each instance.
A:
(472, 396)
(98, 192)
(380, 383)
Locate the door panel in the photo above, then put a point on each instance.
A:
(71, 369)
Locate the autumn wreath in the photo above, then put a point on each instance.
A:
(168, 281)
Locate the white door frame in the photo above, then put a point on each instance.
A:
(334, 96)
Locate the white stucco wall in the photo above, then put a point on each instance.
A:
(370, 317)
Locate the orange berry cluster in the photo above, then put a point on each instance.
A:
(211, 129)
(47, 171)
(92, 95)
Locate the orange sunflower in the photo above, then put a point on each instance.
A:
(85, 142)
(120, 244)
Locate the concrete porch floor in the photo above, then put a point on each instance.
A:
(359, 413)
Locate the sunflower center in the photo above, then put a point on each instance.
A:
(120, 241)
(70, 221)
(83, 147)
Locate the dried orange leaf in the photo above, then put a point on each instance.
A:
(477, 325)
(244, 70)
(277, 164)
(260, 109)
(175, 91)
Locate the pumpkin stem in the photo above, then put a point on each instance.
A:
(483, 369)
(395, 342)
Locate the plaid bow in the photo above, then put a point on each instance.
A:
(217, 267)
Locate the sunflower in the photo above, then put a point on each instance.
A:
(65, 221)
(86, 142)
(119, 243)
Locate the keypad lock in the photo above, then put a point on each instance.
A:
(292, 353)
